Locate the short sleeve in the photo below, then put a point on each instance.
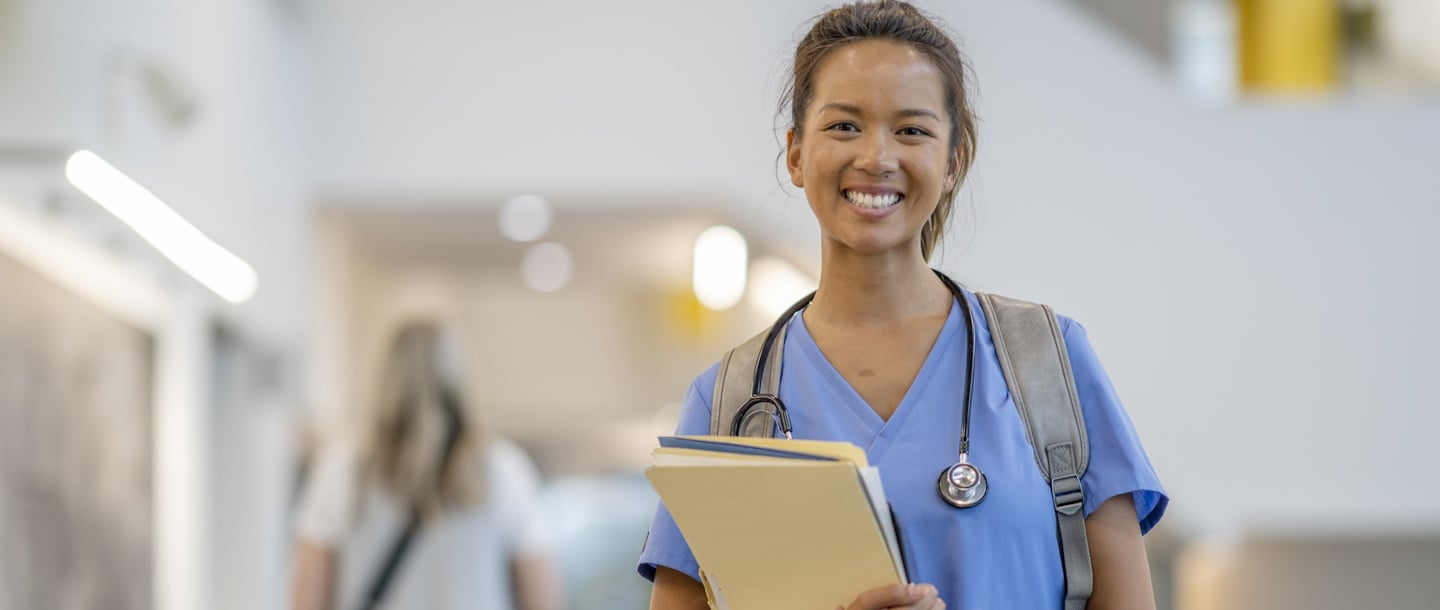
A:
(665, 546)
(1118, 463)
(327, 503)
(515, 487)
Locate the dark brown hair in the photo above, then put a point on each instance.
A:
(902, 23)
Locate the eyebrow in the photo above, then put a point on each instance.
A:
(855, 110)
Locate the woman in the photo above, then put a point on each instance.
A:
(881, 136)
(422, 463)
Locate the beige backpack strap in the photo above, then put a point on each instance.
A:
(1036, 365)
(735, 384)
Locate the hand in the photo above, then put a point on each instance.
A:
(898, 597)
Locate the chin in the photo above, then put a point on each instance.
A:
(874, 244)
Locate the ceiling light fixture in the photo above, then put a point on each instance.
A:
(181, 242)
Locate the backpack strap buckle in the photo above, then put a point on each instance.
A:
(1069, 497)
(1065, 486)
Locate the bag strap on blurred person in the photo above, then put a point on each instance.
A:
(401, 545)
(1031, 349)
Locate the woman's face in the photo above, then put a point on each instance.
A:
(874, 157)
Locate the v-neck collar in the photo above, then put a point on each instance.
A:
(882, 428)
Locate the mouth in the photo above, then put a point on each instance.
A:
(872, 201)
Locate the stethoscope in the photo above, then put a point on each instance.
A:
(961, 485)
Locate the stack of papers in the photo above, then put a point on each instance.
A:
(779, 523)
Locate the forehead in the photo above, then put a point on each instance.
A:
(877, 74)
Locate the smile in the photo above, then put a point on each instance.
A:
(876, 201)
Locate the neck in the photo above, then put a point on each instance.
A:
(858, 288)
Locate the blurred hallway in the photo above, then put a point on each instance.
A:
(1254, 260)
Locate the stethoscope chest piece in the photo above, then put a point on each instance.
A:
(962, 485)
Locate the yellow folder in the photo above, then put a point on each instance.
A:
(780, 532)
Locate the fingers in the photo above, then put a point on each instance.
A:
(919, 597)
(930, 603)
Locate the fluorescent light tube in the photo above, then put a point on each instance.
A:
(195, 253)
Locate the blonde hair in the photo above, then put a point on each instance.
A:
(419, 439)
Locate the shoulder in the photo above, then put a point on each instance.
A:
(507, 459)
(336, 462)
(695, 410)
(1084, 363)
(329, 493)
(1083, 359)
(703, 387)
(735, 369)
(1070, 328)
(698, 406)
(512, 480)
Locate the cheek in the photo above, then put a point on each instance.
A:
(818, 157)
(931, 167)
(821, 166)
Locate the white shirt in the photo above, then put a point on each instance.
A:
(461, 560)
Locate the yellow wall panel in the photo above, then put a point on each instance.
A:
(1289, 45)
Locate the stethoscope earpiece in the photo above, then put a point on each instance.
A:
(962, 485)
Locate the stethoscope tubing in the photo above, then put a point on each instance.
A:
(782, 413)
(961, 485)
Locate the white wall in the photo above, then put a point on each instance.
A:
(647, 99)
(78, 73)
(1256, 277)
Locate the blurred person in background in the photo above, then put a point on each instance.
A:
(424, 511)
(882, 134)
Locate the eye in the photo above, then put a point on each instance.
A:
(842, 126)
(913, 131)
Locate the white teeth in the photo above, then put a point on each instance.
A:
(866, 200)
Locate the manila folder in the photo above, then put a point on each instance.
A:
(783, 537)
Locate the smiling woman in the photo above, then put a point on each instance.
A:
(929, 62)
(887, 351)
(878, 137)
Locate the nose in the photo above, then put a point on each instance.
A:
(878, 155)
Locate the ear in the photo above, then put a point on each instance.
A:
(792, 159)
(952, 170)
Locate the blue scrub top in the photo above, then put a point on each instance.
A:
(1001, 553)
